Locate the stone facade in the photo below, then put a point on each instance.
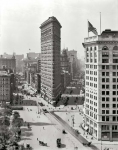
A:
(4, 87)
(101, 88)
(8, 63)
(50, 59)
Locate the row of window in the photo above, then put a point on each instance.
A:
(107, 99)
(105, 111)
(106, 54)
(91, 60)
(106, 127)
(107, 60)
(91, 84)
(91, 66)
(91, 102)
(91, 96)
(95, 98)
(91, 78)
(107, 92)
(91, 72)
(90, 48)
(106, 118)
(107, 86)
(107, 73)
(91, 114)
(103, 48)
(91, 54)
(107, 105)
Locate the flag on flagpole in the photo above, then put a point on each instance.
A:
(92, 29)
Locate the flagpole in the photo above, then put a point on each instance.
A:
(87, 26)
(100, 22)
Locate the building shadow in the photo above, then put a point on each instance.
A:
(26, 129)
(23, 138)
(26, 134)
(39, 124)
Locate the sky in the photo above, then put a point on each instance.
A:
(20, 21)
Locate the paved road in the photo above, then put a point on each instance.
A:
(69, 135)
(52, 130)
(69, 129)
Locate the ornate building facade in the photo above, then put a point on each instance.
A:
(101, 85)
(50, 59)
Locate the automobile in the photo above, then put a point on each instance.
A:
(45, 110)
(58, 142)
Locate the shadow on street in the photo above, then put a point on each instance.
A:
(39, 124)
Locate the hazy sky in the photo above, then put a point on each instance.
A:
(20, 21)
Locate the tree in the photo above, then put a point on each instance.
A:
(5, 134)
(16, 115)
(5, 121)
(7, 112)
(18, 122)
(16, 131)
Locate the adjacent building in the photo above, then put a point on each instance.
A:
(31, 67)
(8, 63)
(101, 85)
(50, 59)
(4, 87)
(65, 64)
(38, 82)
(19, 61)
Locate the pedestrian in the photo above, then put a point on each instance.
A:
(37, 139)
(43, 128)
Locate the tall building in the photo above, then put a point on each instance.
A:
(65, 64)
(39, 64)
(8, 63)
(50, 59)
(4, 87)
(101, 85)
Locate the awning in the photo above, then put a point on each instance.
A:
(86, 127)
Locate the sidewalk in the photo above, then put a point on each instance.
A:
(67, 117)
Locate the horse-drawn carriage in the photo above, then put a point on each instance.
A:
(87, 144)
(42, 143)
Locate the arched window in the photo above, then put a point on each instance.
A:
(91, 48)
(94, 48)
(105, 48)
(115, 48)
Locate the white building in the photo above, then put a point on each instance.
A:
(101, 85)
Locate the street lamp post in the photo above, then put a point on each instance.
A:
(101, 142)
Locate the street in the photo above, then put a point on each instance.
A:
(51, 131)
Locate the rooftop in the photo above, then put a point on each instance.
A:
(50, 19)
(106, 35)
(4, 73)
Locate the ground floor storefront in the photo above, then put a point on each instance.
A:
(102, 131)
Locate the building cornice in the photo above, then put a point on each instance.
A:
(49, 20)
